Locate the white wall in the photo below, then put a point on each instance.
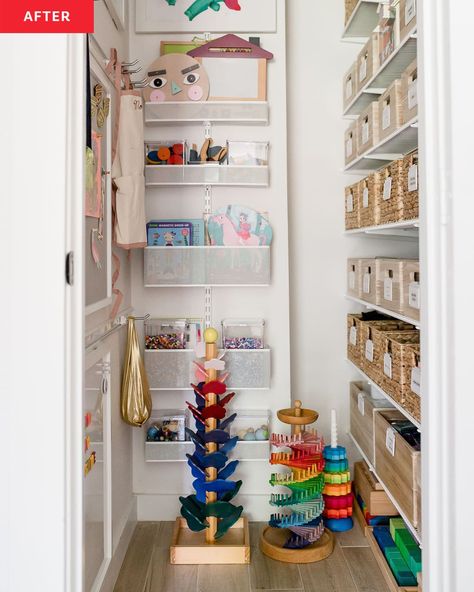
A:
(317, 61)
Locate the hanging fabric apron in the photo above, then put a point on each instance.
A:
(127, 174)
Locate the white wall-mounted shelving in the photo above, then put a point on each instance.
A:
(406, 229)
(207, 174)
(255, 450)
(173, 370)
(391, 313)
(362, 22)
(399, 143)
(391, 70)
(212, 112)
(206, 266)
(410, 526)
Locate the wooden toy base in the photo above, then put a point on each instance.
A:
(190, 548)
(273, 539)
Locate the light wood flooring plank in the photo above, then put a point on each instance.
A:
(330, 575)
(223, 578)
(268, 574)
(136, 566)
(164, 534)
(364, 569)
(352, 538)
(255, 529)
(165, 577)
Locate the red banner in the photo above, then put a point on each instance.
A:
(47, 16)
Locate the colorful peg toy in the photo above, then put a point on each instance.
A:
(296, 532)
(337, 494)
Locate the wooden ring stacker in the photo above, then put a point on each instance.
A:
(272, 539)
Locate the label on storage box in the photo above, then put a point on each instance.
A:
(363, 69)
(414, 295)
(348, 88)
(369, 350)
(349, 148)
(387, 365)
(413, 94)
(416, 380)
(349, 203)
(387, 188)
(353, 336)
(352, 280)
(365, 132)
(361, 403)
(386, 117)
(388, 289)
(366, 283)
(365, 197)
(390, 440)
(413, 178)
(410, 11)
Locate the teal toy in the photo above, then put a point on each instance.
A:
(200, 6)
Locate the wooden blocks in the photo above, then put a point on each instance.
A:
(190, 548)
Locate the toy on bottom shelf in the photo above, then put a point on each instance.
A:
(210, 508)
(338, 498)
(296, 533)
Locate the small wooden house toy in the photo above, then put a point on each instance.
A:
(237, 69)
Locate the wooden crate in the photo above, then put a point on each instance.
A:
(349, 86)
(190, 548)
(393, 358)
(411, 289)
(411, 381)
(410, 92)
(390, 199)
(359, 516)
(368, 128)
(384, 566)
(369, 332)
(400, 471)
(350, 143)
(362, 407)
(349, 9)
(390, 283)
(352, 206)
(407, 17)
(371, 491)
(410, 199)
(353, 338)
(368, 62)
(368, 281)
(369, 189)
(390, 110)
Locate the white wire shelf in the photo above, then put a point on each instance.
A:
(391, 70)
(207, 174)
(227, 112)
(409, 229)
(410, 526)
(390, 313)
(381, 392)
(362, 22)
(399, 143)
(162, 452)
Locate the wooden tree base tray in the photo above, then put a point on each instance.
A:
(190, 548)
(273, 539)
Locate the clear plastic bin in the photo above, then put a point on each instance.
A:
(243, 333)
(165, 334)
(166, 152)
(248, 153)
(167, 425)
(251, 426)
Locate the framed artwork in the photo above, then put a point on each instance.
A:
(157, 16)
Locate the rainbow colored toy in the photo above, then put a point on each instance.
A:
(337, 493)
(199, 6)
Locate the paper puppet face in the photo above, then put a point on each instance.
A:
(176, 77)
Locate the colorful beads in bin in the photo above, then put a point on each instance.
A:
(165, 334)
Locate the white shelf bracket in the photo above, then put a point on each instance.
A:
(207, 129)
(207, 306)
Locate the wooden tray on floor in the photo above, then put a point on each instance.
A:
(384, 566)
(190, 548)
(273, 539)
(357, 512)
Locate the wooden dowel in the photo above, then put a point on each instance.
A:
(211, 473)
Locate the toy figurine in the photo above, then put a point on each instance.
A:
(202, 5)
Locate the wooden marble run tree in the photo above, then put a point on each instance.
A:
(296, 532)
(211, 529)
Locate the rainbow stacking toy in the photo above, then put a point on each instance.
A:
(338, 497)
(296, 532)
(210, 508)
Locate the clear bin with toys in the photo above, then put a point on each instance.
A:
(243, 333)
(248, 153)
(167, 425)
(167, 152)
(165, 334)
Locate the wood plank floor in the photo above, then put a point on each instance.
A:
(146, 568)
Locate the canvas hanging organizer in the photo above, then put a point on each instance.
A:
(135, 401)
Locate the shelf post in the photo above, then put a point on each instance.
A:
(211, 424)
